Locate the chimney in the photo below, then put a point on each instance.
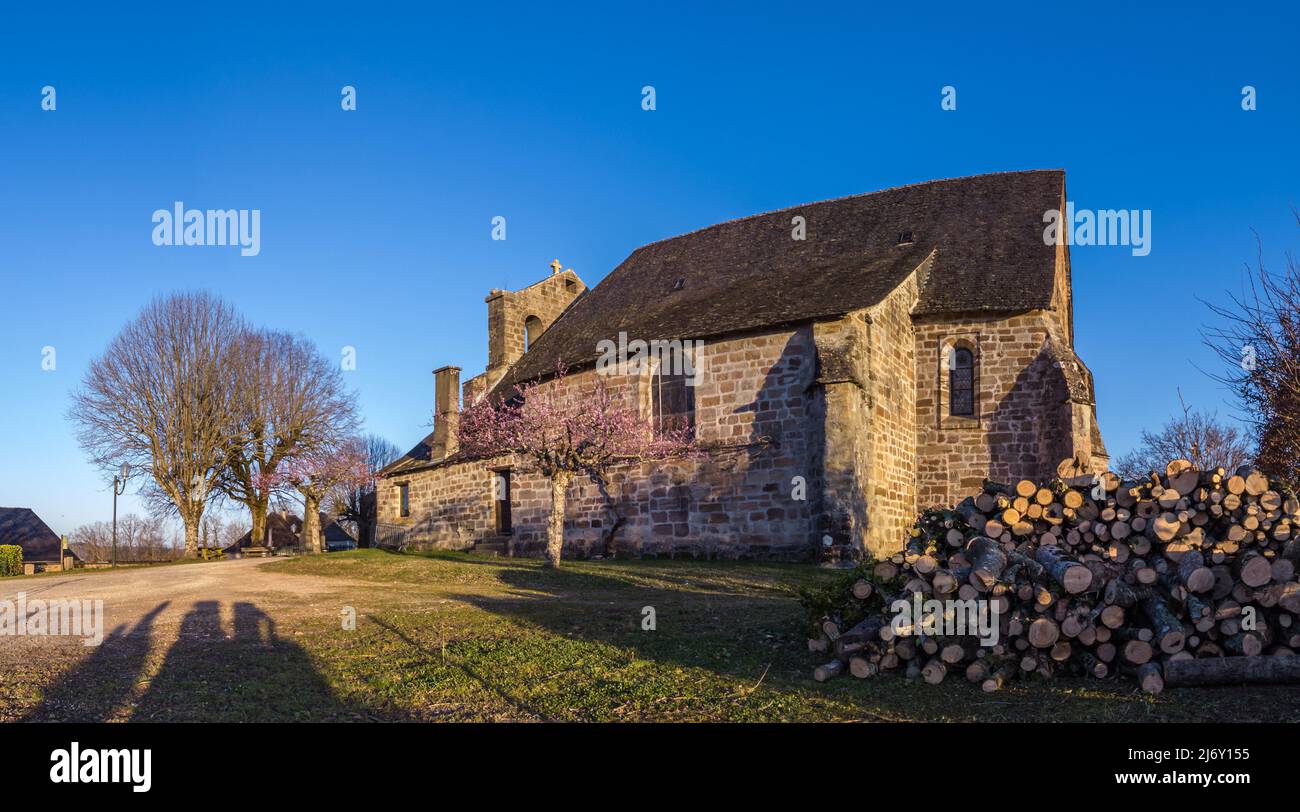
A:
(498, 302)
(446, 422)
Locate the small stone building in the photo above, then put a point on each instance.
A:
(859, 359)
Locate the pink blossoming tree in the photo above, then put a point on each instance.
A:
(316, 473)
(586, 433)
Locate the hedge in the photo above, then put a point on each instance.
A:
(11, 560)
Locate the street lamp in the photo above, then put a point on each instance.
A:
(119, 488)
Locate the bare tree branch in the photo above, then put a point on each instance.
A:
(1195, 436)
(1259, 343)
(288, 402)
(157, 399)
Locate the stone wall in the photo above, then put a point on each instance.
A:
(866, 405)
(738, 500)
(892, 431)
(838, 428)
(450, 508)
(1026, 418)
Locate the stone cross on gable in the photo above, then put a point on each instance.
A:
(555, 266)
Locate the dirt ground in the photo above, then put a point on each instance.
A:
(131, 592)
(149, 613)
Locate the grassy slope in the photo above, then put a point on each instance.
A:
(450, 636)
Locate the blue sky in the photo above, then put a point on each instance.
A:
(375, 224)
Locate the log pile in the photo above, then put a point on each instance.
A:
(1185, 577)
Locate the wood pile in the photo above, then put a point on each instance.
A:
(1185, 577)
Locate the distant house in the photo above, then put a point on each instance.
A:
(285, 529)
(42, 547)
(286, 534)
(337, 538)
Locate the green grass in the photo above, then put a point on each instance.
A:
(448, 636)
(469, 638)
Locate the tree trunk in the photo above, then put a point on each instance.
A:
(258, 509)
(987, 562)
(831, 669)
(311, 535)
(366, 525)
(1069, 574)
(192, 537)
(555, 527)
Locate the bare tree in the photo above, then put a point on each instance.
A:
(157, 399)
(138, 539)
(288, 402)
(221, 531)
(231, 532)
(1195, 436)
(355, 506)
(1259, 342)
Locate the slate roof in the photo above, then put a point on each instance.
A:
(984, 234)
(332, 531)
(418, 457)
(285, 530)
(23, 527)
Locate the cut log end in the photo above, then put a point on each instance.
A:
(1151, 677)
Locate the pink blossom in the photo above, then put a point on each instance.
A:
(321, 468)
(583, 433)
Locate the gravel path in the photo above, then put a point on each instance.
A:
(147, 612)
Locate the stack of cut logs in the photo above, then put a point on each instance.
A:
(1184, 578)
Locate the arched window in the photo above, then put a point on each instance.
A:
(961, 383)
(532, 329)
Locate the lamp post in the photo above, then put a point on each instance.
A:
(119, 488)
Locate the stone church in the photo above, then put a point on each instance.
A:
(858, 359)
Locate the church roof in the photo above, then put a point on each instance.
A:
(985, 233)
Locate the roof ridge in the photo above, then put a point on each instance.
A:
(977, 242)
(899, 188)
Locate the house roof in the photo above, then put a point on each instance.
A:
(331, 530)
(985, 233)
(286, 531)
(418, 457)
(21, 526)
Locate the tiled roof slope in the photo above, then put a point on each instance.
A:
(986, 232)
